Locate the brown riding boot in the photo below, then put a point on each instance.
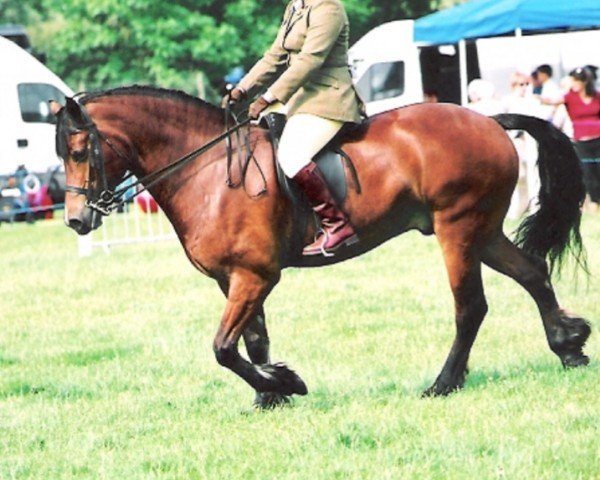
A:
(336, 230)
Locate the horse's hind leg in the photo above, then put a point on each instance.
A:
(464, 273)
(566, 333)
(256, 339)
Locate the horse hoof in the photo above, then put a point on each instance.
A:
(439, 390)
(270, 400)
(570, 335)
(573, 360)
(283, 380)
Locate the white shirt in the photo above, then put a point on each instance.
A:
(550, 91)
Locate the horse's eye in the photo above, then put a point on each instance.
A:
(79, 155)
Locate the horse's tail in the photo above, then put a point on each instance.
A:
(553, 230)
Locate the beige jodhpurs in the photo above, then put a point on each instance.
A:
(302, 138)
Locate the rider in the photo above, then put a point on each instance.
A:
(306, 68)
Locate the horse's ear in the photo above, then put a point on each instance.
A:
(55, 107)
(74, 111)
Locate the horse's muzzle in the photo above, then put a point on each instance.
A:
(80, 227)
(86, 222)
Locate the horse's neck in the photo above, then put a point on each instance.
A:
(161, 134)
(159, 130)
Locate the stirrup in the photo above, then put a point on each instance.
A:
(320, 249)
(319, 234)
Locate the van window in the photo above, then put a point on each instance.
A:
(33, 99)
(381, 81)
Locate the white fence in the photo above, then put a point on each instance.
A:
(140, 221)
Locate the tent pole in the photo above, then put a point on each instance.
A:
(462, 59)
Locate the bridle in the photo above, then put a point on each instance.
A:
(98, 196)
(101, 199)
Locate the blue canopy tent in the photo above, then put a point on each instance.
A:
(486, 18)
(489, 18)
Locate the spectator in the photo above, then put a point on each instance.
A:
(583, 105)
(482, 99)
(519, 100)
(21, 174)
(549, 90)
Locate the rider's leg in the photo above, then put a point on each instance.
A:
(303, 137)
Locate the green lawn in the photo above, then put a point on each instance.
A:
(107, 371)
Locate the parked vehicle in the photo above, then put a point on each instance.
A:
(385, 67)
(27, 129)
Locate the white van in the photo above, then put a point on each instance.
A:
(385, 67)
(26, 125)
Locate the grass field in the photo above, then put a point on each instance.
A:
(107, 371)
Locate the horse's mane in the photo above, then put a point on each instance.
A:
(148, 91)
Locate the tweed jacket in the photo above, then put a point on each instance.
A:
(306, 67)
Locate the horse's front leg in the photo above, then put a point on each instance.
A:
(245, 296)
(256, 339)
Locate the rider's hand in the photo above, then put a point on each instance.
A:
(233, 97)
(257, 107)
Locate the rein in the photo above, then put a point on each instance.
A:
(104, 201)
(163, 172)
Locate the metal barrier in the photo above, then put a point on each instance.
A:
(139, 222)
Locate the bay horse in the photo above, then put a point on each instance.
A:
(437, 168)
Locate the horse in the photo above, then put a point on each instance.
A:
(437, 168)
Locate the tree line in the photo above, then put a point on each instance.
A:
(175, 43)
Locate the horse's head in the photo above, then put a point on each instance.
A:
(89, 167)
